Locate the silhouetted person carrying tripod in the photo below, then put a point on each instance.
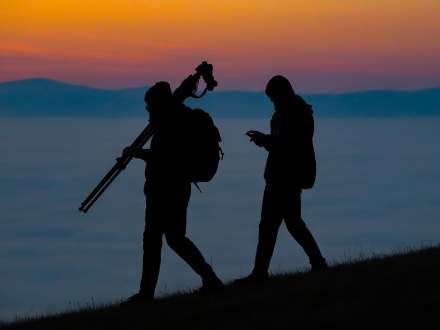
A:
(290, 168)
(167, 189)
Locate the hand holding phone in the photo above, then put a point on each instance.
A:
(257, 137)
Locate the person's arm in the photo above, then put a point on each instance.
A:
(268, 142)
(144, 154)
(260, 139)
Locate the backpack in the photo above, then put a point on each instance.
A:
(308, 159)
(204, 151)
(308, 168)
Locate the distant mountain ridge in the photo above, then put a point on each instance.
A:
(45, 97)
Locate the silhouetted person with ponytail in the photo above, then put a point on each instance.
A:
(290, 167)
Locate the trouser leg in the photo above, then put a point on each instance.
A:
(175, 234)
(187, 250)
(298, 229)
(152, 246)
(270, 222)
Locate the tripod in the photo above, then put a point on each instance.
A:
(120, 165)
(187, 88)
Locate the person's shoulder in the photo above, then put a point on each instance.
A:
(182, 108)
(182, 112)
(277, 115)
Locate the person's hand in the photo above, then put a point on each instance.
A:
(125, 153)
(257, 137)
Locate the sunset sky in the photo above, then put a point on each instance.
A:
(321, 45)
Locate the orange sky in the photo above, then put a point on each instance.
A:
(321, 45)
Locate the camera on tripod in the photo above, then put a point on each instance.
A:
(188, 87)
(205, 70)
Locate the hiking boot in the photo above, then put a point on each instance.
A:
(319, 266)
(211, 284)
(137, 299)
(253, 278)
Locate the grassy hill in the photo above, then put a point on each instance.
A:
(396, 291)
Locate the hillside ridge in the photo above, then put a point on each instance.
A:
(395, 290)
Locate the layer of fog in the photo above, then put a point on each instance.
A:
(376, 192)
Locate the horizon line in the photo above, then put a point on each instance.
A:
(409, 90)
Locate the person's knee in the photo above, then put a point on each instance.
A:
(175, 241)
(267, 224)
(152, 239)
(296, 225)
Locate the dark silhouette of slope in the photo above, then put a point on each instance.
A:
(44, 97)
(397, 291)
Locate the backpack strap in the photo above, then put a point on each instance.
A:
(197, 186)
